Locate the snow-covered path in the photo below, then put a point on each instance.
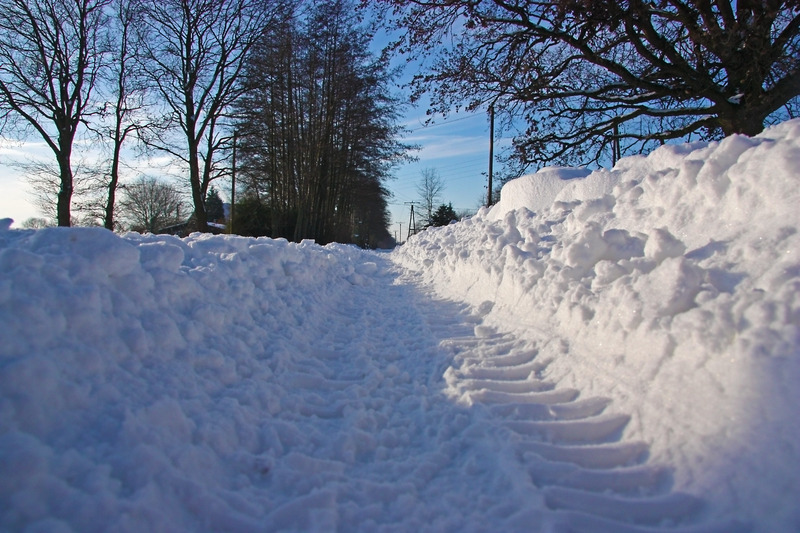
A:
(373, 442)
(413, 416)
(370, 434)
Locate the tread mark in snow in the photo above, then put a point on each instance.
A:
(591, 479)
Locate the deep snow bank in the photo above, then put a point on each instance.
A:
(673, 282)
(138, 387)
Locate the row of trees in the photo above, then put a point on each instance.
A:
(318, 128)
(315, 118)
(167, 70)
(312, 106)
(586, 76)
(147, 204)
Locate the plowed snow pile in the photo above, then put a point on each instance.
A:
(600, 352)
(674, 282)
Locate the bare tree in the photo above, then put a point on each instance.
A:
(193, 53)
(124, 112)
(50, 60)
(430, 189)
(584, 75)
(150, 205)
(36, 223)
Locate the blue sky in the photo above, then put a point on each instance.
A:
(15, 195)
(457, 148)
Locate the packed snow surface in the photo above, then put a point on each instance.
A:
(609, 351)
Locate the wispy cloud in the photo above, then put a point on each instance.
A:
(12, 149)
(444, 147)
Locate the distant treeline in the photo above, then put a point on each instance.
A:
(317, 134)
(292, 86)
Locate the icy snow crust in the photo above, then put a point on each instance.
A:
(615, 351)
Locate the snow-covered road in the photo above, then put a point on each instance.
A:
(457, 428)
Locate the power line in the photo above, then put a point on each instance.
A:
(457, 159)
(446, 122)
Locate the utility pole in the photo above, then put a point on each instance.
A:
(412, 222)
(491, 154)
(401, 230)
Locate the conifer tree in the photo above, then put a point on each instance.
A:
(215, 210)
(444, 215)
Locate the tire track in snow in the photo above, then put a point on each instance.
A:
(592, 480)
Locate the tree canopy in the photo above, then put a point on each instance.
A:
(429, 189)
(149, 205)
(583, 75)
(193, 53)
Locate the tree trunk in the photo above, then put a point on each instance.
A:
(63, 205)
(739, 120)
(200, 220)
(64, 195)
(108, 219)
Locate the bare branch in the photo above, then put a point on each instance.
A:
(569, 68)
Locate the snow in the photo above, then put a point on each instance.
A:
(605, 351)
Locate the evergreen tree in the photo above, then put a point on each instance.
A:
(444, 215)
(215, 211)
(252, 217)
